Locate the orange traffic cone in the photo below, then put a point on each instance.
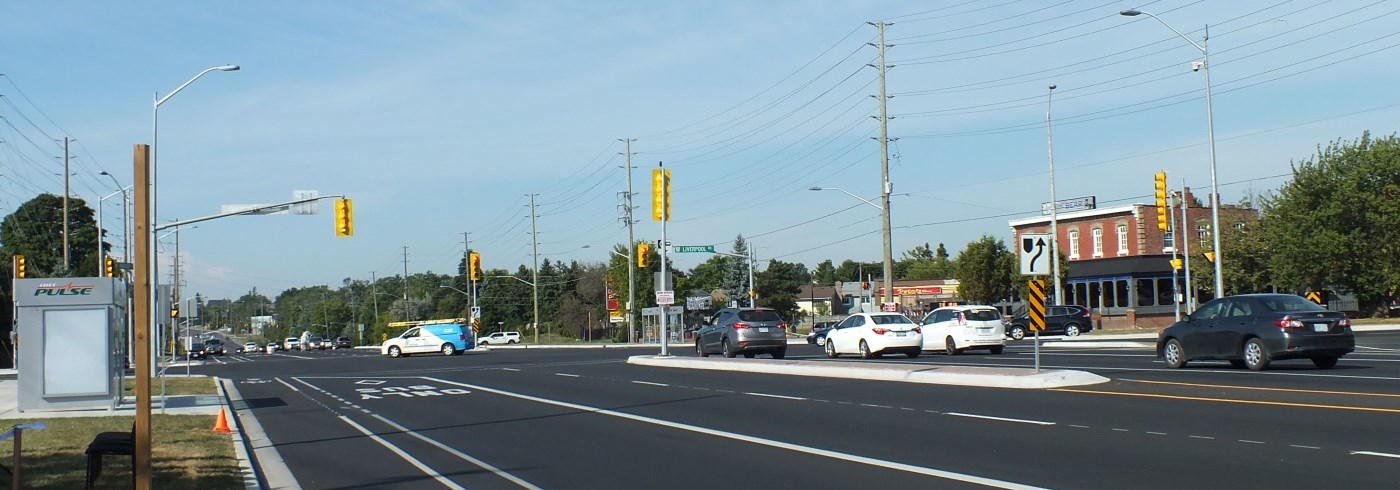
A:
(221, 425)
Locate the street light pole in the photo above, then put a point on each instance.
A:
(1054, 206)
(1204, 66)
(884, 208)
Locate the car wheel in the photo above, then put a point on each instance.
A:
(821, 340)
(394, 351)
(951, 347)
(749, 355)
(1237, 363)
(912, 354)
(1071, 330)
(728, 349)
(831, 350)
(1173, 354)
(997, 349)
(1018, 332)
(700, 351)
(779, 354)
(1256, 357)
(865, 350)
(449, 349)
(513, 341)
(1324, 362)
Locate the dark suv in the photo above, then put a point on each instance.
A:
(1069, 320)
(214, 347)
(747, 331)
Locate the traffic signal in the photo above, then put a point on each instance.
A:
(109, 265)
(344, 219)
(175, 311)
(661, 195)
(1176, 263)
(474, 266)
(643, 249)
(1160, 182)
(20, 267)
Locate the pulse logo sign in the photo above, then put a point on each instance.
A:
(54, 289)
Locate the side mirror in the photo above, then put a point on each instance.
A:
(1186, 317)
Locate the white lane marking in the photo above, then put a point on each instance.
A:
(1079, 426)
(650, 383)
(1157, 433)
(296, 357)
(284, 383)
(510, 369)
(920, 470)
(875, 406)
(1164, 370)
(1373, 453)
(411, 460)
(465, 457)
(1120, 430)
(566, 375)
(1003, 419)
(776, 396)
(1382, 349)
(1247, 441)
(1201, 437)
(1043, 353)
(1303, 447)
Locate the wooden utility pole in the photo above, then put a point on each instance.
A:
(142, 341)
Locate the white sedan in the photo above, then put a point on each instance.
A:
(873, 334)
(955, 329)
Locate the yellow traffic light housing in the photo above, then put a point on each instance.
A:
(109, 265)
(1210, 257)
(344, 218)
(474, 266)
(174, 312)
(20, 267)
(643, 249)
(661, 195)
(1160, 183)
(1176, 263)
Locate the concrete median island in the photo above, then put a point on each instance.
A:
(990, 377)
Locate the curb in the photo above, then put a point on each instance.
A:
(1099, 344)
(1018, 378)
(267, 464)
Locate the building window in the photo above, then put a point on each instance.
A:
(1145, 295)
(1166, 292)
(1121, 287)
(1122, 239)
(1168, 241)
(1239, 226)
(1074, 244)
(1098, 242)
(1203, 234)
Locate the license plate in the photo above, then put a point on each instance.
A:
(984, 329)
(899, 334)
(1320, 327)
(763, 330)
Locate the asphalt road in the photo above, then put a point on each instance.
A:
(582, 418)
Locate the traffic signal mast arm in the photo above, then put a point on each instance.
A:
(252, 210)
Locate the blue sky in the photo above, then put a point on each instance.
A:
(438, 118)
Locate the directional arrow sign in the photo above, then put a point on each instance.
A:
(1034, 252)
(695, 248)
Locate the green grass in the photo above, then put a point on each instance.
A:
(186, 453)
(176, 385)
(1374, 321)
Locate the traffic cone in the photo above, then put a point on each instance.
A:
(221, 425)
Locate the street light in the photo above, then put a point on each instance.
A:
(1054, 206)
(888, 295)
(1203, 65)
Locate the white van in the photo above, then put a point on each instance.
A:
(500, 338)
(291, 343)
(954, 329)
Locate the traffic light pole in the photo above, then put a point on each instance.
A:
(665, 216)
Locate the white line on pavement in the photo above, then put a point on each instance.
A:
(1247, 441)
(650, 383)
(1003, 419)
(510, 369)
(289, 385)
(411, 460)
(566, 375)
(1373, 453)
(785, 397)
(1303, 447)
(920, 470)
(1245, 372)
(465, 457)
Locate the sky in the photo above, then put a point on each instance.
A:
(440, 118)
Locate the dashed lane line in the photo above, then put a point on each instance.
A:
(566, 375)
(1232, 400)
(785, 397)
(650, 383)
(1260, 388)
(1003, 419)
(1373, 453)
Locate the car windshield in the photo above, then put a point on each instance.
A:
(986, 315)
(889, 319)
(759, 316)
(1286, 304)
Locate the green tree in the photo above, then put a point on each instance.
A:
(778, 285)
(917, 263)
(985, 270)
(825, 272)
(35, 230)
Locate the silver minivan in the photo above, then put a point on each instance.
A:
(747, 331)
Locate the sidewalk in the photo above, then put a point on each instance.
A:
(177, 405)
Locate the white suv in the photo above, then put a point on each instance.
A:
(500, 338)
(958, 328)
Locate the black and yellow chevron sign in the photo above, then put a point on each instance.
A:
(1036, 305)
(1314, 296)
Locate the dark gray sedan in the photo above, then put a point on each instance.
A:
(1251, 330)
(747, 331)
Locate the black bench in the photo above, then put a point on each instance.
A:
(110, 443)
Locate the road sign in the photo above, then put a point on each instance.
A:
(1314, 296)
(695, 248)
(665, 297)
(1034, 253)
(1035, 305)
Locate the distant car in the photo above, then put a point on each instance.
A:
(215, 346)
(343, 343)
(955, 329)
(1067, 320)
(291, 343)
(315, 343)
(874, 334)
(747, 331)
(448, 338)
(1251, 330)
(198, 352)
(500, 338)
(818, 335)
(250, 347)
(273, 347)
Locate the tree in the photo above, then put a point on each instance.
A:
(1336, 223)
(736, 276)
(35, 230)
(779, 284)
(984, 271)
(917, 263)
(825, 272)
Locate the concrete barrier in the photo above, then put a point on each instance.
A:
(991, 377)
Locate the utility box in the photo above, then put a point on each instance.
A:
(69, 342)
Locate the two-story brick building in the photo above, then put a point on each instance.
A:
(1119, 261)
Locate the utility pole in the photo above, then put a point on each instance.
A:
(405, 283)
(1054, 206)
(631, 246)
(374, 291)
(535, 272)
(65, 207)
(885, 189)
(471, 283)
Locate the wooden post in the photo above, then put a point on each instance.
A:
(14, 474)
(141, 472)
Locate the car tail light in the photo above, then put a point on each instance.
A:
(1084, 313)
(782, 325)
(462, 337)
(1344, 322)
(1288, 322)
(879, 331)
(917, 330)
(741, 325)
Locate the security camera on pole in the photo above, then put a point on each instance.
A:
(661, 211)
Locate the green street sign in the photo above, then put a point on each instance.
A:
(695, 248)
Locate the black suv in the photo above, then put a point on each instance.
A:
(747, 331)
(342, 343)
(214, 346)
(1067, 320)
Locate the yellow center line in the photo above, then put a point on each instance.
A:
(1291, 390)
(1232, 400)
